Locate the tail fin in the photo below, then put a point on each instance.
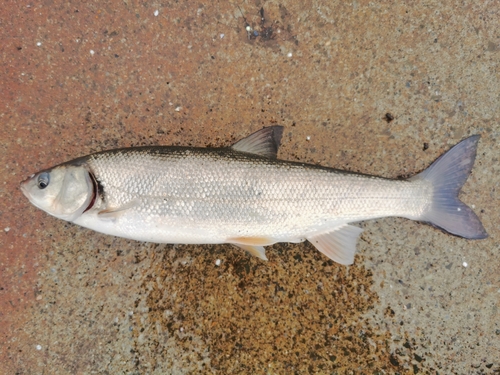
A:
(447, 175)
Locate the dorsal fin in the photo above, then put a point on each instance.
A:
(264, 142)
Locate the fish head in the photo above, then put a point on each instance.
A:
(65, 191)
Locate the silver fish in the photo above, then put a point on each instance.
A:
(244, 196)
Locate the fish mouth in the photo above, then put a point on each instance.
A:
(24, 185)
(24, 188)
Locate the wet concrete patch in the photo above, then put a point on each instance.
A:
(296, 313)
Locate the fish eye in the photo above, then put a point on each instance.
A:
(43, 180)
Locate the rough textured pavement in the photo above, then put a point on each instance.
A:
(77, 77)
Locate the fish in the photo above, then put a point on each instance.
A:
(243, 195)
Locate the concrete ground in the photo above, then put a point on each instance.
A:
(77, 77)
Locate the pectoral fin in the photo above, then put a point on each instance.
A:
(114, 212)
(339, 244)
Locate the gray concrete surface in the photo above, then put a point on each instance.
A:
(86, 76)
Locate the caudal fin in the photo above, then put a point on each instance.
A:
(447, 175)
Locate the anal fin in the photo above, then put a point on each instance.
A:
(338, 244)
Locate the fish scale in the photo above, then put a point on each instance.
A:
(245, 196)
(222, 189)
